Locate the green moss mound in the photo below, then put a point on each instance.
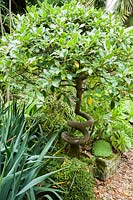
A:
(76, 180)
(102, 148)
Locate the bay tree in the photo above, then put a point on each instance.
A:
(54, 47)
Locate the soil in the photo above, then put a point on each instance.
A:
(120, 185)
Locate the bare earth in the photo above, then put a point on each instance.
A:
(120, 185)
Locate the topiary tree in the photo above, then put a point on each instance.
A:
(65, 46)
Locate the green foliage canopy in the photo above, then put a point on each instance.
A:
(51, 46)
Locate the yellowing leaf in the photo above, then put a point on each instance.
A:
(76, 64)
(90, 101)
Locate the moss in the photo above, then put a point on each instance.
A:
(102, 148)
(76, 180)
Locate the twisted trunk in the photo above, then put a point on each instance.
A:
(80, 126)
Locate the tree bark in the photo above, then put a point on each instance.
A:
(80, 126)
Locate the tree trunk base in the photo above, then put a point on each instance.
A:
(73, 150)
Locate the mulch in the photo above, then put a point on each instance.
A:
(120, 185)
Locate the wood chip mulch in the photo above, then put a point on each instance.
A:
(120, 185)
